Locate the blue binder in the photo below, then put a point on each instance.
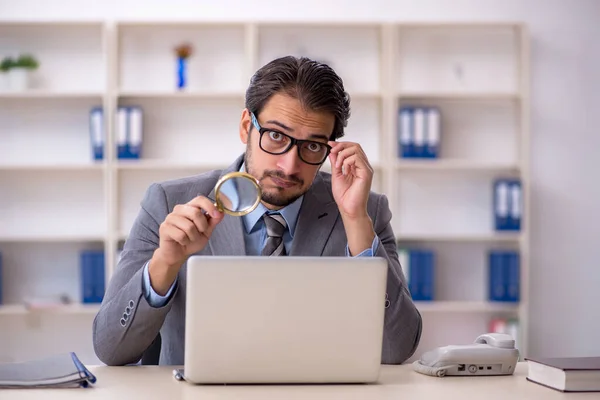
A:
(504, 276)
(406, 132)
(92, 267)
(501, 205)
(419, 132)
(135, 132)
(421, 284)
(433, 132)
(122, 132)
(516, 205)
(97, 133)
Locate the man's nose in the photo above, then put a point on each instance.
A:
(290, 162)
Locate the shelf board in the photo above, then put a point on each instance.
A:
(409, 95)
(469, 238)
(52, 167)
(442, 165)
(53, 238)
(164, 165)
(21, 309)
(466, 306)
(51, 95)
(165, 95)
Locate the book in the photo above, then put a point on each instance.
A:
(565, 374)
(63, 370)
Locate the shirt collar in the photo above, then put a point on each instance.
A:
(289, 213)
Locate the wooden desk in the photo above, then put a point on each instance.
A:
(395, 383)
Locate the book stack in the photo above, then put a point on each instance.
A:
(419, 267)
(419, 132)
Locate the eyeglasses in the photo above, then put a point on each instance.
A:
(274, 142)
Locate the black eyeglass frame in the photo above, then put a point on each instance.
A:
(293, 141)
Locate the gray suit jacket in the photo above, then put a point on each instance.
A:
(126, 324)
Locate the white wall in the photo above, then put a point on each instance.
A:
(565, 317)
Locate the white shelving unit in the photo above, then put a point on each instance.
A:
(57, 201)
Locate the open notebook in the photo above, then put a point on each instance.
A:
(62, 370)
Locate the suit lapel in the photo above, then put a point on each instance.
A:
(316, 220)
(228, 237)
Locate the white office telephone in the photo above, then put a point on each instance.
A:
(490, 354)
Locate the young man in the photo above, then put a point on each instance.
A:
(296, 110)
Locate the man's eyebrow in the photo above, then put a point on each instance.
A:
(281, 125)
(318, 136)
(287, 128)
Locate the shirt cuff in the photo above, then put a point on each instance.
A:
(154, 299)
(367, 252)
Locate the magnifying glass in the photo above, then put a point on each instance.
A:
(237, 193)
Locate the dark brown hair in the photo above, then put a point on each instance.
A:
(314, 84)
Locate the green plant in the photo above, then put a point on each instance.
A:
(26, 61)
(6, 64)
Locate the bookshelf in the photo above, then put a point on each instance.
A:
(58, 201)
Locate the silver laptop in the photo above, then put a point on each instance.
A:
(284, 319)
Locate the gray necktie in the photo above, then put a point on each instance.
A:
(275, 228)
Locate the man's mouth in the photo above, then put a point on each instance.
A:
(282, 182)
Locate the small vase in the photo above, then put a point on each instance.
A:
(18, 79)
(181, 73)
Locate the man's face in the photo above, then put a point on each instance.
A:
(285, 177)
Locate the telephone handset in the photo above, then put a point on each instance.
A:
(490, 354)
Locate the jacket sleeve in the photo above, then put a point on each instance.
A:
(126, 323)
(403, 322)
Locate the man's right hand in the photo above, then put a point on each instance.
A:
(184, 232)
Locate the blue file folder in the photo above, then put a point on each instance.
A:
(97, 132)
(406, 132)
(421, 283)
(504, 276)
(433, 132)
(92, 267)
(507, 204)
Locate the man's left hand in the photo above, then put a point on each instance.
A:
(351, 179)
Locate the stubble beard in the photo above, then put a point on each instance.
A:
(274, 196)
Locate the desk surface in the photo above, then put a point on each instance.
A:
(395, 382)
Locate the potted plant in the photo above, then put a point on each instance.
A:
(5, 66)
(183, 52)
(19, 74)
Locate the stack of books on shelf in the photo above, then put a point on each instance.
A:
(129, 132)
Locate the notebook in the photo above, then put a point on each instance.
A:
(574, 374)
(61, 371)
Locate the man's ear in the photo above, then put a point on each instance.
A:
(245, 124)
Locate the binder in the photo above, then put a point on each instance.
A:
(419, 116)
(496, 276)
(135, 132)
(406, 132)
(97, 132)
(504, 276)
(92, 268)
(501, 205)
(63, 370)
(433, 132)
(513, 276)
(516, 205)
(421, 284)
(122, 131)
(404, 260)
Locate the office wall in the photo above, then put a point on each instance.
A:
(565, 97)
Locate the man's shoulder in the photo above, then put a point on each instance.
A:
(185, 188)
